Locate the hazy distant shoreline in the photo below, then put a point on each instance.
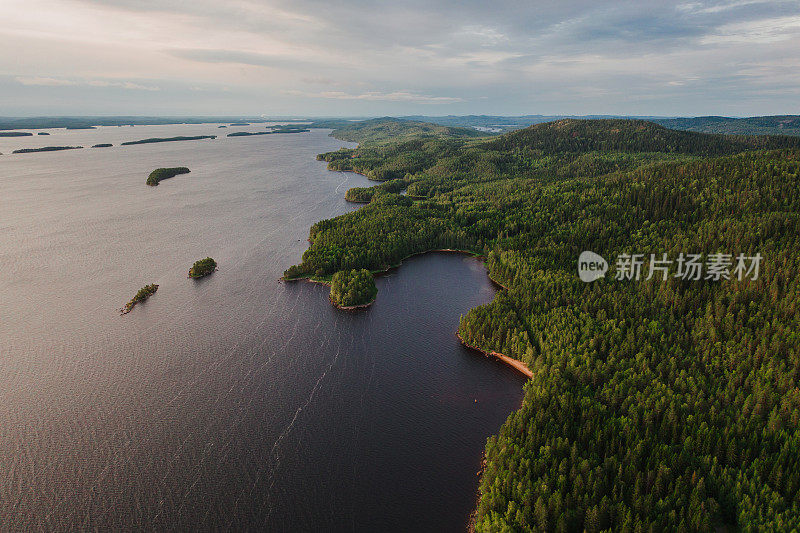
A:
(755, 125)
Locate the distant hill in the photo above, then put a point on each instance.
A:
(494, 124)
(773, 125)
(491, 123)
(502, 124)
(624, 135)
(380, 130)
(769, 125)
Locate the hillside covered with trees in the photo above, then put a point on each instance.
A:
(655, 404)
(771, 125)
(391, 130)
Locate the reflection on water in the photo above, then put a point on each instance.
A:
(235, 401)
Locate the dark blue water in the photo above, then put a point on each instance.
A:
(236, 401)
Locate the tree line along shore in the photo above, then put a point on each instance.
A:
(661, 405)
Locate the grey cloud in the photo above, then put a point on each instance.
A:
(520, 26)
(528, 55)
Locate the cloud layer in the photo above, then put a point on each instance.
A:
(354, 57)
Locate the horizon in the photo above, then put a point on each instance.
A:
(730, 58)
(297, 117)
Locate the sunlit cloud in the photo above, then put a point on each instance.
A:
(757, 32)
(396, 96)
(56, 82)
(44, 82)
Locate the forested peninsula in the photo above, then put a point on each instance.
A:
(654, 405)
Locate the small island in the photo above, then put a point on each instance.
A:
(165, 173)
(248, 133)
(202, 268)
(353, 289)
(42, 133)
(278, 129)
(144, 293)
(240, 123)
(15, 134)
(102, 145)
(169, 139)
(45, 149)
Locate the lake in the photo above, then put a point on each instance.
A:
(236, 401)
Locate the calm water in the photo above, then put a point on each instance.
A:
(235, 401)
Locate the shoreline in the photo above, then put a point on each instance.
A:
(392, 267)
(327, 284)
(474, 514)
(351, 307)
(516, 364)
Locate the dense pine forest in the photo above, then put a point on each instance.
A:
(655, 405)
(780, 124)
(353, 288)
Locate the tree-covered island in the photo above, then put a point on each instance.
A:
(45, 149)
(144, 293)
(247, 133)
(160, 174)
(270, 131)
(351, 289)
(202, 267)
(169, 139)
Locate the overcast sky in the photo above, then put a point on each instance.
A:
(358, 57)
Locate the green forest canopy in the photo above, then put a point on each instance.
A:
(654, 405)
(202, 267)
(353, 287)
(141, 295)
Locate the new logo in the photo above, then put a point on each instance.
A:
(591, 266)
